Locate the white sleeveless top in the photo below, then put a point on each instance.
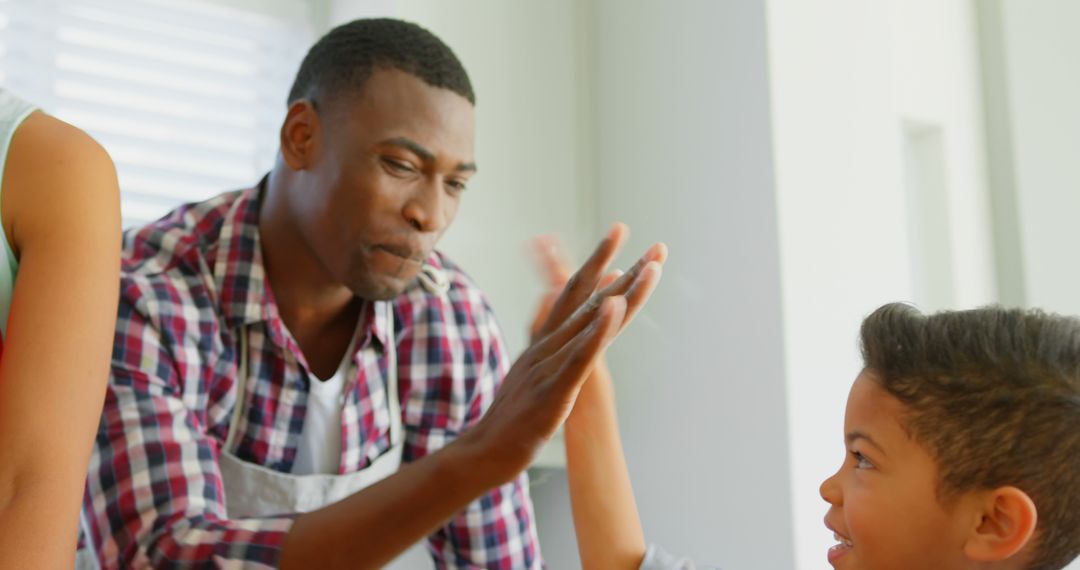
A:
(12, 113)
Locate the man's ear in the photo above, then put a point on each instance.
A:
(299, 134)
(1005, 524)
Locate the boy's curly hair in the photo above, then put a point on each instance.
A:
(994, 395)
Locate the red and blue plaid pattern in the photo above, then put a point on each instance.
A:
(191, 282)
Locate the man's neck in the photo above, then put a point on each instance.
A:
(320, 312)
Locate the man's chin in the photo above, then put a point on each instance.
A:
(383, 289)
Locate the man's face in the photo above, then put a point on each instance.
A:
(386, 182)
(884, 509)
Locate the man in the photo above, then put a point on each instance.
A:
(299, 379)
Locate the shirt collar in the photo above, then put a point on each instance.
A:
(239, 273)
(240, 276)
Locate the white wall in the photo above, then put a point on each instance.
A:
(846, 76)
(937, 81)
(683, 154)
(1038, 126)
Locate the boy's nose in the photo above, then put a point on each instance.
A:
(830, 490)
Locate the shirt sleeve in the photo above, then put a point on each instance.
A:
(497, 531)
(155, 490)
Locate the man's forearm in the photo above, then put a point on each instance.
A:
(374, 526)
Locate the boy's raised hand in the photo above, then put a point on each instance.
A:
(540, 388)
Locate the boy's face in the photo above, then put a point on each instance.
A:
(884, 510)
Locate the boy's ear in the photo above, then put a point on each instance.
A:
(1005, 525)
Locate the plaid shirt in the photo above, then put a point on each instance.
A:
(191, 283)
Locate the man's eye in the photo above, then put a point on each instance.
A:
(398, 166)
(457, 185)
(861, 462)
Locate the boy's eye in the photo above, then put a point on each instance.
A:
(861, 462)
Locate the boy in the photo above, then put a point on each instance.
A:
(963, 440)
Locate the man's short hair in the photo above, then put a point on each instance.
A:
(343, 60)
(994, 395)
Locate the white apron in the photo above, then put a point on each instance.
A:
(85, 557)
(255, 491)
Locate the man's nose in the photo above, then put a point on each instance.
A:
(427, 208)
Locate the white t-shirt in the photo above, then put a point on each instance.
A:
(320, 441)
(657, 558)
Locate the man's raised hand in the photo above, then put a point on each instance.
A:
(540, 388)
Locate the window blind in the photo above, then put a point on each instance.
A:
(186, 95)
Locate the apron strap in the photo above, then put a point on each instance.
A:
(393, 399)
(392, 396)
(432, 279)
(241, 385)
(86, 558)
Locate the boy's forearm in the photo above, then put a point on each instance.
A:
(605, 514)
(374, 526)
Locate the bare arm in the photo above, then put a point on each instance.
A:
(372, 527)
(60, 208)
(606, 521)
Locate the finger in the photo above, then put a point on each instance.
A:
(575, 359)
(640, 292)
(584, 281)
(610, 278)
(591, 271)
(542, 313)
(606, 280)
(550, 260)
(555, 340)
(656, 253)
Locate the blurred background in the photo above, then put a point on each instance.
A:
(805, 160)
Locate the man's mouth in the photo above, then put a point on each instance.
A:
(405, 252)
